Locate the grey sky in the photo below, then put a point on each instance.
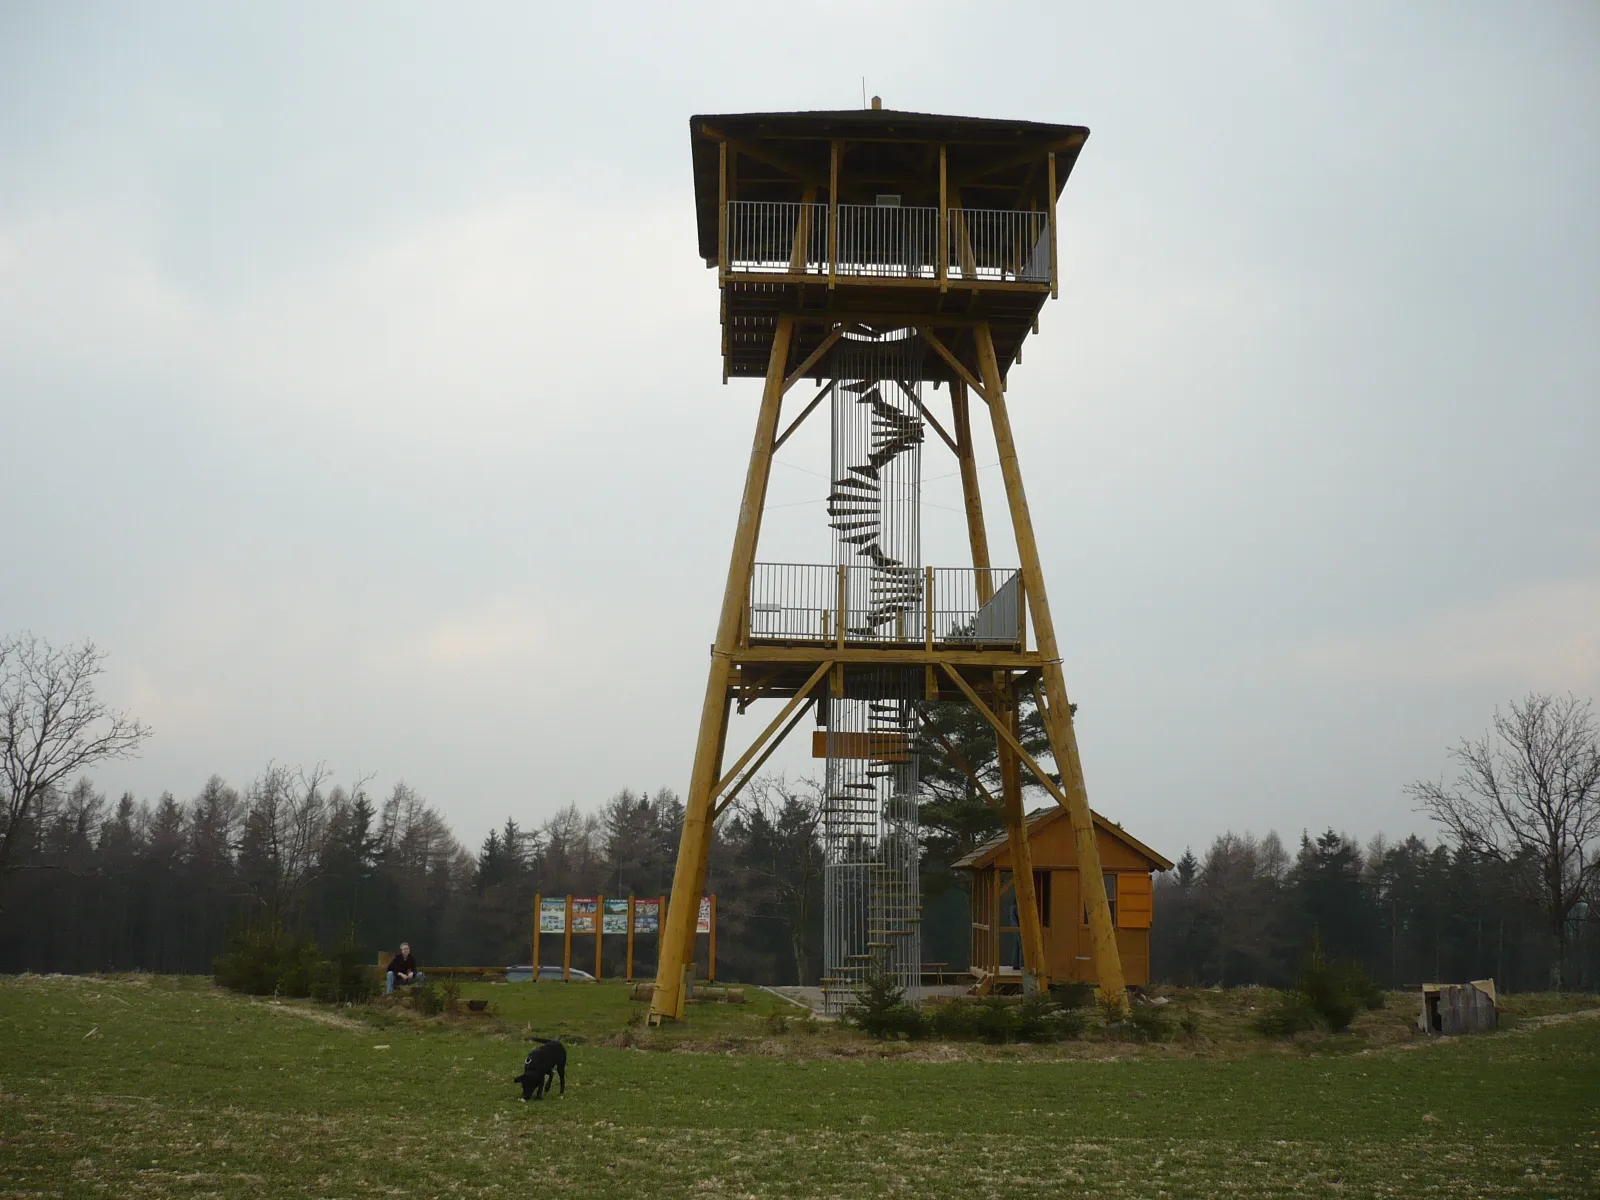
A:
(359, 382)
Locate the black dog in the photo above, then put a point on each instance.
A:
(542, 1067)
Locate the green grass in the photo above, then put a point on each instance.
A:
(140, 1086)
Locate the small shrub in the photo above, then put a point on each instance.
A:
(264, 959)
(1335, 990)
(992, 1019)
(881, 1010)
(346, 977)
(1290, 1014)
(777, 1023)
(1150, 1023)
(427, 999)
(1073, 995)
(1040, 1018)
(1112, 1011)
(1189, 1026)
(1000, 1019)
(450, 996)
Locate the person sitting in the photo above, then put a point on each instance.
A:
(401, 971)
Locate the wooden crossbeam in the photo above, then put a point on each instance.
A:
(930, 418)
(804, 413)
(948, 355)
(766, 734)
(956, 757)
(813, 358)
(1005, 733)
(761, 759)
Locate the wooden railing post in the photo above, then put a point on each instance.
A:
(833, 212)
(844, 600)
(1055, 280)
(722, 211)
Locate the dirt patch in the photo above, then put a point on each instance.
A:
(306, 1013)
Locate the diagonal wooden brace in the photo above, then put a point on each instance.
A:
(955, 757)
(766, 735)
(733, 791)
(1005, 733)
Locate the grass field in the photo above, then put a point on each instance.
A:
(155, 1086)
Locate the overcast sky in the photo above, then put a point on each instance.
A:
(359, 382)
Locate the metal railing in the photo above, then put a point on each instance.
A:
(777, 238)
(807, 602)
(887, 242)
(999, 244)
(959, 617)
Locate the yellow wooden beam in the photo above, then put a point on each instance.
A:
(804, 413)
(694, 843)
(772, 727)
(1009, 738)
(932, 420)
(732, 793)
(899, 655)
(971, 495)
(949, 356)
(956, 757)
(1073, 795)
(812, 359)
(1055, 277)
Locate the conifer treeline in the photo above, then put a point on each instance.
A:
(1407, 911)
(160, 887)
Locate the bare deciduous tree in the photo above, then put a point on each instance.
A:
(286, 814)
(1528, 796)
(790, 859)
(52, 725)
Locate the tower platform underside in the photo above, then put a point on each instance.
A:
(752, 308)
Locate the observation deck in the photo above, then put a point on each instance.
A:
(896, 217)
(865, 618)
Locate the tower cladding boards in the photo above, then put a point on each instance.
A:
(882, 268)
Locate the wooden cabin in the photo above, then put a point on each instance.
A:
(1128, 865)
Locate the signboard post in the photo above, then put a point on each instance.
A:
(629, 968)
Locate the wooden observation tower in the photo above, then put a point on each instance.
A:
(882, 258)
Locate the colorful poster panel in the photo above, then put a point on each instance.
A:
(553, 915)
(583, 914)
(615, 917)
(646, 916)
(702, 923)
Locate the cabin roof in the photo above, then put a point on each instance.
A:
(1001, 159)
(985, 855)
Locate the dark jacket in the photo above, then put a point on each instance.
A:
(402, 964)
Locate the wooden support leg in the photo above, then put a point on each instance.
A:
(694, 846)
(977, 534)
(1058, 716)
(1035, 965)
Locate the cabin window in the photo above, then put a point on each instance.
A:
(1111, 898)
